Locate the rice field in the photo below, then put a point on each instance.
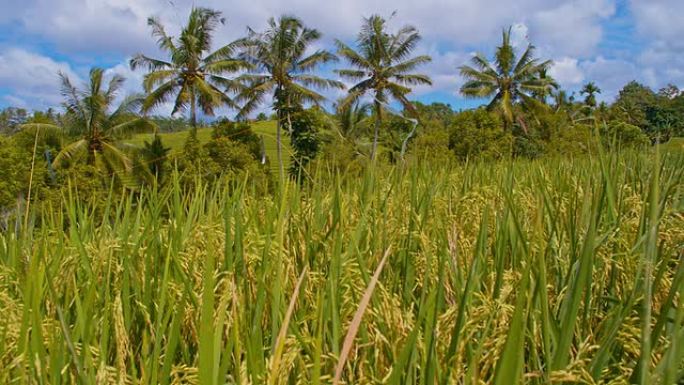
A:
(529, 272)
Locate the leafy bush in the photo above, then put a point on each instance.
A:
(479, 133)
(223, 157)
(339, 156)
(622, 134)
(305, 137)
(154, 158)
(240, 132)
(529, 146)
(228, 157)
(571, 139)
(432, 145)
(14, 173)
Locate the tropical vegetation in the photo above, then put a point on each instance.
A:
(536, 239)
(382, 66)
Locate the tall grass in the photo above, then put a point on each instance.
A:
(561, 270)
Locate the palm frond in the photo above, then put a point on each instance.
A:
(227, 66)
(354, 75)
(149, 63)
(72, 101)
(304, 95)
(164, 41)
(133, 126)
(403, 43)
(129, 106)
(362, 86)
(251, 105)
(115, 85)
(160, 96)
(478, 89)
(183, 99)
(409, 65)
(116, 157)
(318, 82)
(227, 52)
(471, 73)
(228, 85)
(351, 98)
(312, 61)
(155, 78)
(354, 58)
(525, 58)
(209, 97)
(70, 151)
(414, 79)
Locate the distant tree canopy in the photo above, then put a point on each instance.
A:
(525, 113)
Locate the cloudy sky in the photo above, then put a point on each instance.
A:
(607, 41)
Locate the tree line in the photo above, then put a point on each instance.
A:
(526, 114)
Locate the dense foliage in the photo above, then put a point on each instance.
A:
(536, 239)
(527, 272)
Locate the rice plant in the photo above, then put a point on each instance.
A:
(534, 272)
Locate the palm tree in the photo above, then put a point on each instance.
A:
(193, 74)
(382, 66)
(543, 94)
(155, 154)
(89, 116)
(284, 71)
(590, 89)
(349, 118)
(509, 79)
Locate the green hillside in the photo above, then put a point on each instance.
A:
(674, 145)
(267, 130)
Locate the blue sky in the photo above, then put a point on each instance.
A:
(607, 41)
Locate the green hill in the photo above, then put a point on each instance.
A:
(674, 145)
(267, 130)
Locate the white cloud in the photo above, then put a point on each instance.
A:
(32, 77)
(87, 26)
(662, 66)
(442, 70)
(15, 101)
(569, 31)
(610, 74)
(119, 26)
(659, 23)
(661, 20)
(567, 72)
(572, 28)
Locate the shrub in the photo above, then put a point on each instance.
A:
(622, 134)
(14, 173)
(432, 145)
(478, 133)
(570, 140)
(339, 156)
(529, 146)
(240, 133)
(304, 137)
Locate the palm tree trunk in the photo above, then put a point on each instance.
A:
(289, 121)
(280, 148)
(193, 113)
(376, 130)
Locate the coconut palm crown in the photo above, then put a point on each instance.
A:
(92, 118)
(509, 80)
(383, 67)
(193, 76)
(283, 70)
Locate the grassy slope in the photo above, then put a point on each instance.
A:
(267, 130)
(675, 144)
